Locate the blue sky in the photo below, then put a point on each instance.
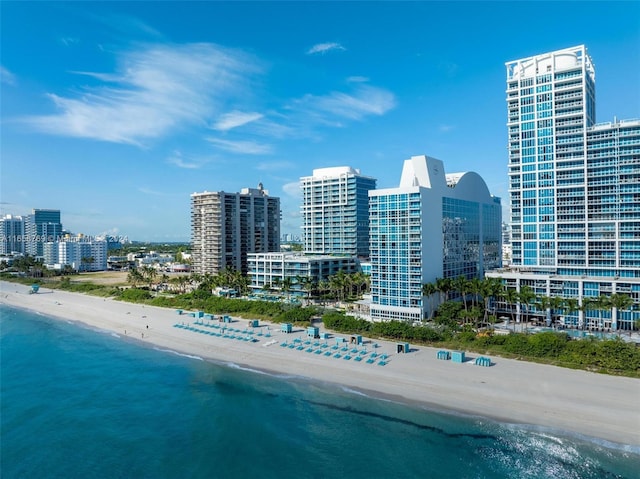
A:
(115, 112)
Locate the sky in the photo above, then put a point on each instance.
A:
(116, 112)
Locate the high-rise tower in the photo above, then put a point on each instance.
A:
(434, 225)
(335, 211)
(551, 103)
(41, 226)
(574, 187)
(227, 226)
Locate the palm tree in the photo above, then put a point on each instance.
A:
(461, 285)
(475, 288)
(149, 274)
(543, 304)
(348, 286)
(511, 298)
(323, 287)
(277, 283)
(337, 283)
(602, 303)
(429, 290)
(306, 284)
(359, 280)
(287, 283)
(570, 306)
(134, 277)
(444, 286)
(587, 304)
(526, 296)
(491, 288)
(557, 303)
(618, 302)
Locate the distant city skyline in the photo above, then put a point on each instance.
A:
(115, 113)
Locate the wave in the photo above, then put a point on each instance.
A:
(262, 371)
(245, 368)
(184, 355)
(356, 392)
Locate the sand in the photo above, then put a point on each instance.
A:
(544, 397)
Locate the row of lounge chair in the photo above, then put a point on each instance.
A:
(337, 352)
(228, 333)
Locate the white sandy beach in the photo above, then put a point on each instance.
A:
(594, 405)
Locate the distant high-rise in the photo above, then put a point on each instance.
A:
(335, 211)
(574, 187)
(434, 225)
(227, 226)
(12, 235)
(41, 226)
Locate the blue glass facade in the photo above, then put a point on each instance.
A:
(449, 227)
(574, 186)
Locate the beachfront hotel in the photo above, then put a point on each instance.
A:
(41, 226)
(80, 252)
(434, 225)
(225, 227)
(270, 269)
(335, 211)
(574, 188)
(12, 238)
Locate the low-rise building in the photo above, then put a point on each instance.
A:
(266, 269)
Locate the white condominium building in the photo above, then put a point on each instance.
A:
(12, 235)
(335, 211)
(82, 254)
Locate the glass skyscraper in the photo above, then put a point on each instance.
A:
(574, 187)
(41, 226)
(432, 226)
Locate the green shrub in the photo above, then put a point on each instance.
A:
(135, 294)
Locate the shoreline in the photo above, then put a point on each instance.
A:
(543, 397)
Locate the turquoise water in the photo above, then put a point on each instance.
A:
(80, 403)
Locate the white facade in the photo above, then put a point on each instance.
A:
(335, 211)
(271, 268)
(12, 235)
(432, 226)
(574, 185)
(81, 254)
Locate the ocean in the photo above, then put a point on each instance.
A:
(82, 403)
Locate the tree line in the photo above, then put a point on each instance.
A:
(483, 299)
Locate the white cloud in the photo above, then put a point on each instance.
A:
(178, 160)
(324, 48)
(6, 76)
(154, 91)
(244, 147)
(292, 189)
(363, 101)
(149, 191)
(446, 128)
(68, 41)
(234, 119)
